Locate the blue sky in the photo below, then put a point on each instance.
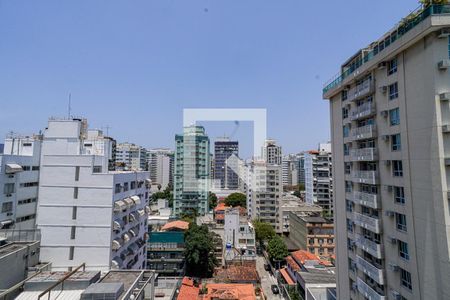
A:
(134, 65)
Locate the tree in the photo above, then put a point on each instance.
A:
(212, 200)
(199, 252)
(277, 249)
(236, 199)
(263, 231)
(166, 194)
(427, 3)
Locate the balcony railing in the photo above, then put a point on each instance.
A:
(367, 291)
(370, 270)
(364, 154)
(366, 199)
(367, 222)
(365, 110)
(367, 177)
(361, 90)
(412, 21)
(364, 132)
(369, 246)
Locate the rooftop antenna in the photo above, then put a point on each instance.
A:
(69, 109)
(107, 127)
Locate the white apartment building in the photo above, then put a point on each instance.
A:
(131, 157)
(86, 213)
(239, 236)
(390, 119)
(318, 178)
(160, 165)
(271, 152)
(19, 179)
(291, 169)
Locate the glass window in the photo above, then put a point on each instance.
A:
(406, 279)
(393, 91)
(397, 168)
(400, 220)
(403, 250)
(346, 149)
(77, 173)
(117, 188)
(344, 113)
(399, 195)
(396, 143)
(7, 207)
(344, 95)
(392, 66)
(346, 131)
(394, 116)
(8, 188)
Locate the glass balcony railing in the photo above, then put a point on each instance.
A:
(366, 199)
(361, 90)
(368, 246)
(367, 291)
(363, 111)
(405, 26)
(367, 177)
(370, 270)
(367, 222)
(364, 132)
(364, 154)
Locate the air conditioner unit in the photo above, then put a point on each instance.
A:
(447, 161)
(384, 113)
(396, 295)
(444, 33)
(444, 96)
(394, 267)
(444, 64)
(392, 240)
(389, 213)
(382, 65)
(383, 89)
(387, 163)
(446, 128)
(385, 138)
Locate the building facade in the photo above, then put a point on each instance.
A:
(239, 236)
(131, 157)
(165, 253)
(86, 213)
(225, 173)
(271, 152)
(389, 116)
(160, 166)
(192, 171)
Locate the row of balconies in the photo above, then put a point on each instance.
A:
(367, 222)
(369, 246)
(370, 270)
(364, 132)
(366, 199)
(367, 177)
(363, 111)
(362, 90)
(364, 154)
(367, 291)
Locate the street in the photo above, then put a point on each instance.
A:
(266, 279)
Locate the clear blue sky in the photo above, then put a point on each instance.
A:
(134, 65)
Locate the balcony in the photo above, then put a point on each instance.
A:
(369, 246)
(367, 222)
(364, 132)
(366, 199)
(362, 90)
(367, 291)
(370, 270)
(364, 154)
(367, 177)
(363, 111)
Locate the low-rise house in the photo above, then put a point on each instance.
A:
(244, 272)
(189, 290)
(176, 226)
(219, 213)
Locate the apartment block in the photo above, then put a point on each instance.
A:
(19, 179)
(271, 152)
(131, 157)
(224, 170)
(389, 125)
(86, 213)
(192, 171)
(160, 165)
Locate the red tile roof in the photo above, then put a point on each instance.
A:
(187, 290)
(176, 225)
(238, 274)
(301, 256)
(220, 207)
(229, 292)
(291, 262)
(286, 276)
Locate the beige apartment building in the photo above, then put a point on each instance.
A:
(390, 128)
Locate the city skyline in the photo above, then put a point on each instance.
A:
(152, 82)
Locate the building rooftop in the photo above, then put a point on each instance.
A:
(318, 276)
(166, 237)
(286, 276)
(218, 291)
(12, 247)
(176, 225)
(315, 219)
(187, 290)
(291, 262)
(237, 274)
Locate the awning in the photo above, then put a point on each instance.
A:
(141, 212)
(286, 276)
(117, 243)
(126, 237)
(13, 168)
(119, 205)
(136, 199)
(132, 217)
(6, 223)
(118, 224)
(129, 202)
(132, 232)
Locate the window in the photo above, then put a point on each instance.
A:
(392, 66)
(346, 131)
(346, 149)
(25, 218)
(8, 188)
(7, 207)
(125, 186)
(397, 168)
(35, 168)
(399, 195)
(29, 184)
(74, 213)
(403, 250)
(405, 279)
(394, 116)
(449, 47)
(241, 229)
(348, 168)
(393, 91)
(75, 192)
(72, 232)
(344, 113)
(97, 169)
(348, 187)
(349, 225)
(117, 188)
(396, 143)
(349, 205)
(26, 201)
(400, 220)
(133, 185)
(71, 251)
(77, 173)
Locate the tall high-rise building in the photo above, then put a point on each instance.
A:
(86, 213)
(271, 152)
(224, 148)
(391, 146)
(160, 165)
(19, 178)
(291, 169)
(318, 178)
(192, 171)
(131, 157)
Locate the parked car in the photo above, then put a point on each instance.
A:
(275, 289)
